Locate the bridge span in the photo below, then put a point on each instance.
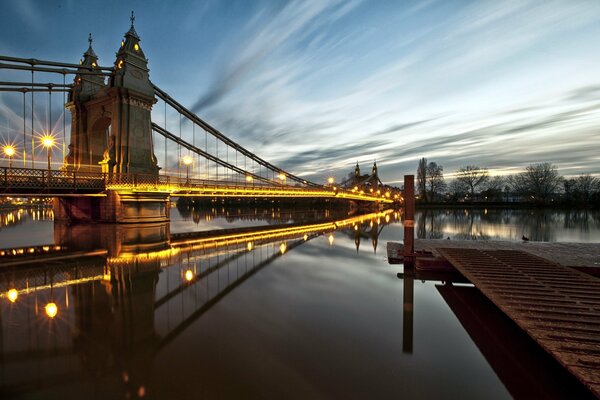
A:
(110, 170)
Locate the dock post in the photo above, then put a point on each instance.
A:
(409, 219)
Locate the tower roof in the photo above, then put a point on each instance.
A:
(131, 43)
(90, 52)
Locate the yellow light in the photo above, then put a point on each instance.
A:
(334, 188)
(387, 194)
(305, 237)
(282, 176)
(9, 150)
(189, 275)
(249, 246)
(387, 218)
(122, 43)
(330, 180)
(187, 160)
(94, 65)
(120, 64)
(249, 178)
(330, 239)
(282, 248)
(379, 192)
(47, 141)
(136, 47)
(12, 295)
(355, 227)
(355, 188)
(51, 310)
(371, 190)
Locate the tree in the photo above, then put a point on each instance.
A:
(471, 177)
(494, 187)
(435, 179)
(422, 179)
(538, 181)
(582, 189)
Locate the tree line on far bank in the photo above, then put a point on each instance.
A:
(538, 184)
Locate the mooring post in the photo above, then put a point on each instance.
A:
(409, 219)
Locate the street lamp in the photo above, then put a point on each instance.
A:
(9, 151)
(187, 161)
(330, 180)
(48, 142)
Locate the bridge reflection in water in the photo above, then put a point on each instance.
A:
(103, 312)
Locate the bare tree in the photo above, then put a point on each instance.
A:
(494, 187)
(435, 179)
(538, 181)
(582, 189)
(471, 177)
(422, 179)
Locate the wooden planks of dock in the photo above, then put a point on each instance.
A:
(559, 307)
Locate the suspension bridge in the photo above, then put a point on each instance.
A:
(110, 171)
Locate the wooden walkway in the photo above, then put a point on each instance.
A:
(557, 306)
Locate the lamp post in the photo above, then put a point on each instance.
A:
(187, 161)
(48, 142)
(9, 151)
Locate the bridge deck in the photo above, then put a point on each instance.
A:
(25, 182)
(557, 306)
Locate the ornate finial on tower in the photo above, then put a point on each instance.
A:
(89, 56)
(132, 18)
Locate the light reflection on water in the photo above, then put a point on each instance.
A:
(309, 312)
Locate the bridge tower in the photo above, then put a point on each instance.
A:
(111, 128)
(111, 132)
(374, 177)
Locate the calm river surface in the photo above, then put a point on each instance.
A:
(261, 303)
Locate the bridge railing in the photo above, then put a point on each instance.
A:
(27, 180)
(32, 179)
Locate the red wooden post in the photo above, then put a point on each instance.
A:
(409, 218)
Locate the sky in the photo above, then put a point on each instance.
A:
(315, 86)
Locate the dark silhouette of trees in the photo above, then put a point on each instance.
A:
(435, 180)
(422, 179)
(472, 177)
(581, 190)
(539, 181)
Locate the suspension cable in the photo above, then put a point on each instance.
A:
(24, 135)
(180, 108)
(205, 154)
(64, 146)
(165, 138)
(32, 142)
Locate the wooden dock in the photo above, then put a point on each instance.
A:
(536, 286)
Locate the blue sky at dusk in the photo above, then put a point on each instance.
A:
(314, 86)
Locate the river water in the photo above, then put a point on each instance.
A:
(261, 303)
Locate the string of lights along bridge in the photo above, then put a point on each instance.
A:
(132, 146)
